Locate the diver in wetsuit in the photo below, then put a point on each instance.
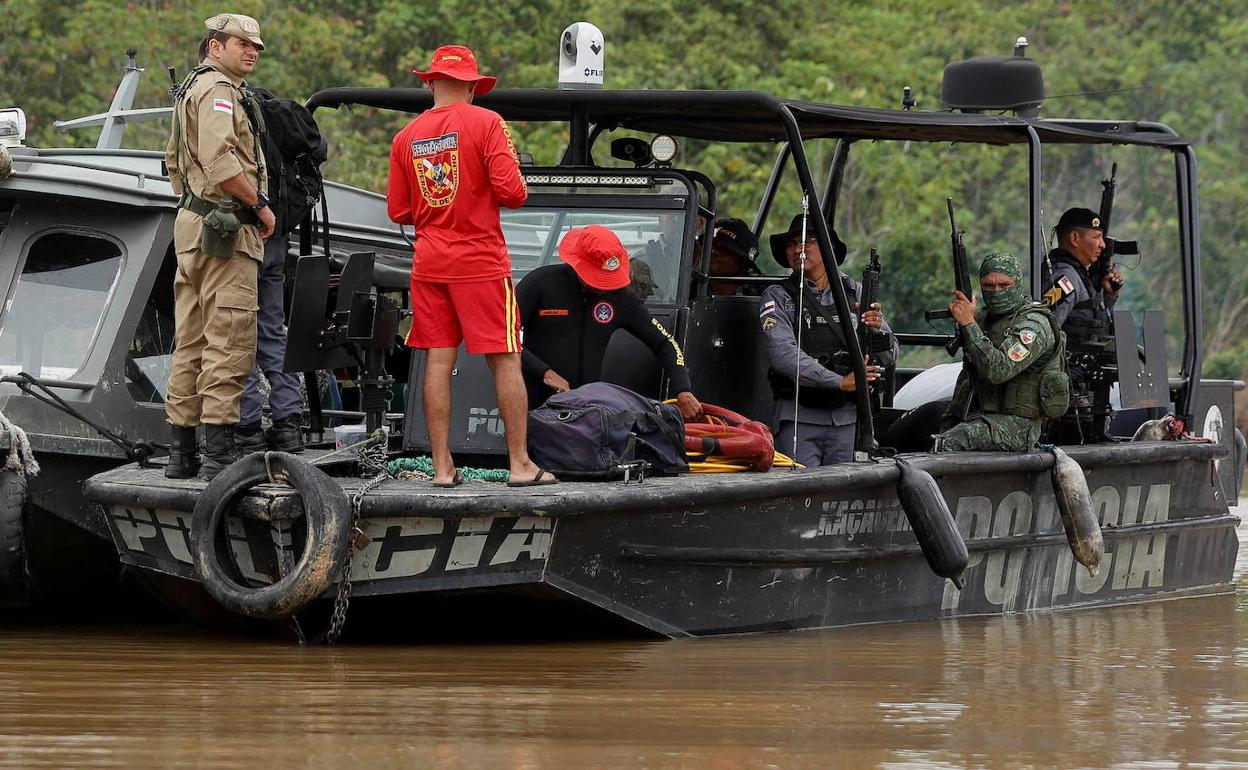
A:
(569, 312)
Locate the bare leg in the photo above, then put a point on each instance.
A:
(439, 363)
(513, 407)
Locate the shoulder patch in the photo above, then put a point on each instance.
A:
(1051, 296)
(1065, 285)
(1018, 352)
(223, 105)
(1027, 336)
(769, 323)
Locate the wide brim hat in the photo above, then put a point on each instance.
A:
(597, 256)
(457, 62)
(778, 241)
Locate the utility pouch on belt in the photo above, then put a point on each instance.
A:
(221, 229)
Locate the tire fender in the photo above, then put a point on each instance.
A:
(327, 513)
(15, 586)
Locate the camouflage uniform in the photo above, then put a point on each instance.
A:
(1007, 355)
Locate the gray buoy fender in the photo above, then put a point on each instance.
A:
(327, 514)
(933, 524)
(1074, 501)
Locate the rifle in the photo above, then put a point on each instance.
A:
(1104, 264)
(871, 341)
(961, 275)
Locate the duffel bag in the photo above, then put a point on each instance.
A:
(592, 431)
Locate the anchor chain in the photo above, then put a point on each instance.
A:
(342, 600)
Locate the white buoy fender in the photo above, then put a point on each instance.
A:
(1074, 501)
(933, 524)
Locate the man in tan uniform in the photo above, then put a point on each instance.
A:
(214, 154)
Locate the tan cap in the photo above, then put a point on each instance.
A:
(237, 25)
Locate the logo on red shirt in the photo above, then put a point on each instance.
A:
(437, 168)
(604, 312)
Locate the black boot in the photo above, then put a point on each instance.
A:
(250, 438)
(286, 434)
(183, 453)
(219, 450)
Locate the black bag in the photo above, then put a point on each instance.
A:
(587, 433)
(293, 152)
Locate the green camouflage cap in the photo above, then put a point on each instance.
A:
(237, 25)
(1000, 262)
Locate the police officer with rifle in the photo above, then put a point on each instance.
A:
(1085, 287)
(809, 367)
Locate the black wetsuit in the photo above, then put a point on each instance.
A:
(567, 329)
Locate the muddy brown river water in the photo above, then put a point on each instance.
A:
(1161, 685)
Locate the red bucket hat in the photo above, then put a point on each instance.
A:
(597, 256)
(457, 63)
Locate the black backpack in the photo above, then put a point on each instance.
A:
(293, 152)
(592, 431)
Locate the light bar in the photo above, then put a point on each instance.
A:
(587, 180)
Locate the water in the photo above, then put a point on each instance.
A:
(1161, 685)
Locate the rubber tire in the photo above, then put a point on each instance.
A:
(327, 512)
(15, 584)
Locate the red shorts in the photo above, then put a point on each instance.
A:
(482, 314)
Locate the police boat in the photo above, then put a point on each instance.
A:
(902, 534)
(86, 334)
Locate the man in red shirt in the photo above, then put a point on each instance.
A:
(450, 170)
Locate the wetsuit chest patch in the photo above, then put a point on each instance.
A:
(604, 312)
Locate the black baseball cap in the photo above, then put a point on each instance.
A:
(778, 241)
(734, 235)
(1078, 218)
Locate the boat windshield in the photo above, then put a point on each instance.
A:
(53, 313)
(653, 239)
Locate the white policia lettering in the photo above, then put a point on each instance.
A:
(1129, 563)
(400, 547)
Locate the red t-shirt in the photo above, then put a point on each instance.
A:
(450, 170)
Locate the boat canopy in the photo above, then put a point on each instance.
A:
(753, 116)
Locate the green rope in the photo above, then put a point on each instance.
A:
(424, 464)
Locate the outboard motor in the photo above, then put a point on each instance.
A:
(581, 57)
(933, 524)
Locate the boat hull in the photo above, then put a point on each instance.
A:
(751, 553)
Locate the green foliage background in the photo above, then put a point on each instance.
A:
(1181, 63)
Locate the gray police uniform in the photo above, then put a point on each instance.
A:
(822, 416)
(1081, 309)
(285, 396)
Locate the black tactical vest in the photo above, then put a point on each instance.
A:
(1089, 318)
(819, 340)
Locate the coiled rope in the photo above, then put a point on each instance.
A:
(21, 458)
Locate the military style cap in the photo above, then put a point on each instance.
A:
(1079, 218)
(237, 25)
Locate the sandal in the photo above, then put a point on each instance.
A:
(454, 482)
(543, 478)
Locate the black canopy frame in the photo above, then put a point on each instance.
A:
(752, 116)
